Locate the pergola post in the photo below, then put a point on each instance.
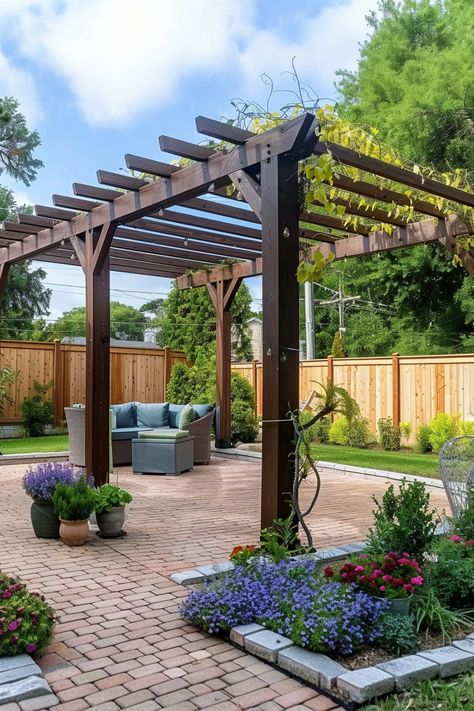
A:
(222, 294)
(98, 351)
(4, 271)
(280, 210)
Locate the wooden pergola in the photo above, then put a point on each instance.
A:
(182, 218)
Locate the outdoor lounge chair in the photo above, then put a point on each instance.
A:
(456, 465)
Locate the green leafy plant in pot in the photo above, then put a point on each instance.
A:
(110, 503)
(74, 504)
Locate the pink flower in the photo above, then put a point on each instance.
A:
(388, 578)
(382, 588)
(417, 580)
(408, 588)
(359, 569)
(6, 594)
(456, 539)
(13, 625)
(30, 648)
(378, 572)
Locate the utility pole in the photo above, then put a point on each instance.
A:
(341, 302)
(309, 319)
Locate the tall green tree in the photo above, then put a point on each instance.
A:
(188, 322)
(126, 323)
(415, 81)
(26, 298)
(415, 84)
(17, 143)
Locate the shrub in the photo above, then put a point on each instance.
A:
(8, 378)
(405, 430)
(317, 433)
(389, 434)
(359, 434)
(403, 521)
(244, 424)
(37, 412)
(26, 621)
(109, 496)
(399, 634)
(464, 524)
(40, 482)
(339, 431)
(451, 571)
(288, 598)
(467, 427)
(423, 443)
(74, 502)
(443, 427)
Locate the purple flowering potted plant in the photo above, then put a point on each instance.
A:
(40, 482)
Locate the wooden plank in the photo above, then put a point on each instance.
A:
(149, 166)
(168, 144)
(396, 389)
(189, 250)
(222, 131)
(206, 223)
(55, 213)
(395, 173)
(75, 203)
(120, 180)
(187, 232)
(221, 208)
(4, 271)
(58, 383)
(96, 193)
(279, 179)
(20, 227)
(250, 189)
(26, 219)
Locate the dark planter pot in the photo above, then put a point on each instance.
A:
(44, 520)
(400, 606)
(111, 522)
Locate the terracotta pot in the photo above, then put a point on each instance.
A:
(74, 533)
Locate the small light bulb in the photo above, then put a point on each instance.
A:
(62, 243)
(185, 241)
(286, 232)
(161, 212)
(240, 196)
(73, 257)
(211, 188)
(283, 357)
(269, 351)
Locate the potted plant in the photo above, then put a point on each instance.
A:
(39, 483)
(392, 577)
(110, 503)
(74, 504)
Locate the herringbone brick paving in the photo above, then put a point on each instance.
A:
(119, 642)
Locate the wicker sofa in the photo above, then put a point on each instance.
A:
(130, 418)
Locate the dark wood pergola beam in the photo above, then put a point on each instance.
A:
(165, 228)
(75, 203)
(186, 183)
(149, 166)
(207, 223)
(395, 173)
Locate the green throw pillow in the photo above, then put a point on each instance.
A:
(186, 416)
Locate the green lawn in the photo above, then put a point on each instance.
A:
(406, 462)
(455, 695)
(28, 445)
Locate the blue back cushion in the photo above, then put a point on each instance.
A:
(153, 414)
(174, 413)
(202, 410)
(126, 414)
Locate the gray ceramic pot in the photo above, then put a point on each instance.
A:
(111, 522)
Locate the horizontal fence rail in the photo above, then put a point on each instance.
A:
(140, 374)
(406, 388)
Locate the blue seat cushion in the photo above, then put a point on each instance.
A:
(125, 414)
(153, 414)
(128, 432)
(202, 410)
(174, 413)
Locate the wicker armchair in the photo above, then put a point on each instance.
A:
(201, 431)
(456, 464)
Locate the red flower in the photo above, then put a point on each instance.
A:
(408, 588)
(328, 572)
(234, 551)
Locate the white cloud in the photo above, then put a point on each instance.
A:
(19, 83)
(326, 42)
(120, 58)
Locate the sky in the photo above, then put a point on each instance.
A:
(101, 78)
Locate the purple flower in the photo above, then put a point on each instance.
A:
(13, 626)
(30, 648)
(39, 482)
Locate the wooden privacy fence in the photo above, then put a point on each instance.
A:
(140, 374)
(407, 388)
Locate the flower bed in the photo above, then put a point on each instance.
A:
(26, 619)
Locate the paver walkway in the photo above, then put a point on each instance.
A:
(119, 642)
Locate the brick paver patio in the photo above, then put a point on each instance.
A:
(119, 642)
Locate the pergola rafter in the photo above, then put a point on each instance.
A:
(168, 220)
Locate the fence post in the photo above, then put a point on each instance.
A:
(58, 384)
(254, 385)
(330, 369)
(166, 370)
(396, 389)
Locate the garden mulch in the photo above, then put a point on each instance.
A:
(119, 641)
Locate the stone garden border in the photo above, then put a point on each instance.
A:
(20, 679)
(353, 687)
